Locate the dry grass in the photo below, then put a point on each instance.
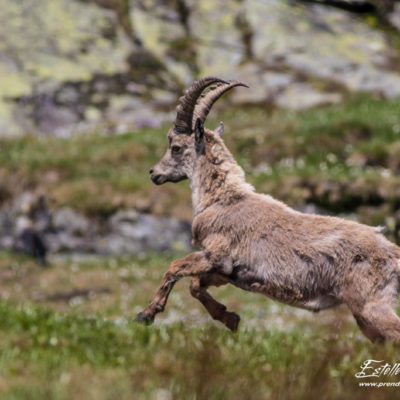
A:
(89, 348)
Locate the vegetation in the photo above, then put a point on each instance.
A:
(344, 158)
(68, 330)
(90, 348)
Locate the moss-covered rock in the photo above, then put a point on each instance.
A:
(63, 61)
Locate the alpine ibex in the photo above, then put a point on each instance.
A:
(259, 244)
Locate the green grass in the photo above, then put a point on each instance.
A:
(59, 345)
(46, 355)
(92, 348)
(344, 158)
(93, 173)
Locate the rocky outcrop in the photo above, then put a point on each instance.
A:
(68, 231)
(81, 70)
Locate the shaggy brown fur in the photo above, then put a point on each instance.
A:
(259, 244)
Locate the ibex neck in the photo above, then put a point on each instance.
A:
(213, 183)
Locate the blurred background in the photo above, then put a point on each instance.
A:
(88, 90)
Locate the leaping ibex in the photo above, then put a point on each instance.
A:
(259, 244)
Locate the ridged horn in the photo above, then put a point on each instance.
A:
(203, 108)
(187, 103)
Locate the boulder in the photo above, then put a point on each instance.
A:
(82, 73)
(68, 220)
(300, 96)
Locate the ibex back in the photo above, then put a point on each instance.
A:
(259, 244)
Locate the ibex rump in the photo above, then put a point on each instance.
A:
(259, 244)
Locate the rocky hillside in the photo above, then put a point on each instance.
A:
(73, 65)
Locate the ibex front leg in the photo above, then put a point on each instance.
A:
(195, 264)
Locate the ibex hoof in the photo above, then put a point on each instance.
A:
(231, 320)
(144, 319)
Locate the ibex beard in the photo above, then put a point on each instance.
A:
(259, 244)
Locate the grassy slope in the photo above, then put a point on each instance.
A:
(337, 157)
(344, 158)
(88, 349)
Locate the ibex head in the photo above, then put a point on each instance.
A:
(186, 138)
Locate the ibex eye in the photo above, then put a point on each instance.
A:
(175, 149)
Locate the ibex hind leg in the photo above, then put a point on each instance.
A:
(379, 323)
(377, 317)
(198, 289)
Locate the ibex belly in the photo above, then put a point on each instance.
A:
(284, 289)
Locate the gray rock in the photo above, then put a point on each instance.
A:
(367, 79)
(68, 231)
(115, 244)
(276, 81)
(65, 242)
(132, 232)
(70, 221)
(129, 113)
(23, 203)
(326, 43)
(312, 209)
(6, 223)
(257, 93)
(43, 90)
(298, 96)
(126, 232)
(59, 121)
(394, 17)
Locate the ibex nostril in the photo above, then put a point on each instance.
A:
(151, 170)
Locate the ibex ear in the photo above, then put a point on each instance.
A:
(220, 129)
(199, 136)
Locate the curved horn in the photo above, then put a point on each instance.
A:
(203, 108)
(187, 103)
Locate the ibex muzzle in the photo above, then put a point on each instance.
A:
(176, 162)
(259, 244)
